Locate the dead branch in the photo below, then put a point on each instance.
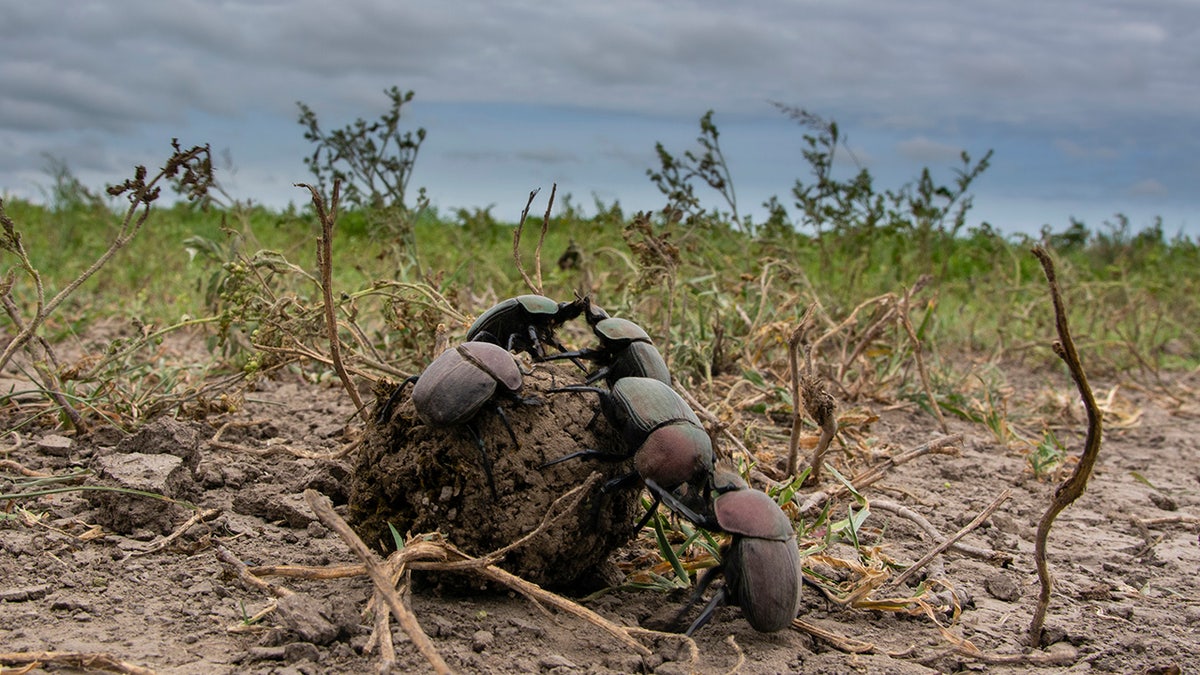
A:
(943, 445)
(537, 594)
(817, 402)
(940, 548)
(537, 251)
(244, 575)
(536, 288)
(79, 660)
(325, 266)
(323, 509)
(741, 655)
(906, 321)
(10, 465)
(199, 517)
(708, 416)
(1073, 486)
(994, 557)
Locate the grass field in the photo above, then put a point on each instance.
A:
(909, 319)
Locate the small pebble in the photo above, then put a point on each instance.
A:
(1163, 501)
(482, 640)
(53, 444)
(1001, 587)
(555, 661)
(301, 651)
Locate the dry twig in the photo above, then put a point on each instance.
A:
(383, 586)
(79, 660)
(906, 321)
(325, 264)
(817, 402)
(198, 517)
(944, 445)
(937, 550)
(534, 287)
(1073, 486)
(994, 557)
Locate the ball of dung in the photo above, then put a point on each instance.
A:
(424, 479)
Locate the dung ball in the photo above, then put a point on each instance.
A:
(423, 479)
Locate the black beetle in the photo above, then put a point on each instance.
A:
(524, 323)
(625, 350)
(668, 444)
(458, 384)
(761, 564)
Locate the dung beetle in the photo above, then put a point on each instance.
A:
(460, 382)
(524, 323)
(625, 350)
(761, 563)
(665, 438)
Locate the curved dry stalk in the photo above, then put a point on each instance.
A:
(737, 649)
(906, 321)
(328, 217)
(1073, 486)
(198, 517)
(708, 416)
(838, 642)
(516, 249)
(807, 388)
(538, 594)
(245, 576)
(323, 509)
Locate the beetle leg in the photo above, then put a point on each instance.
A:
(619, 482)
(575, 356)
(386, 411)
(504, 418)
(597, 454)
(675, 504)
(717, 600)
(486, 461)
(649, 513)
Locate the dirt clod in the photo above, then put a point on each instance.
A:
(163, 475)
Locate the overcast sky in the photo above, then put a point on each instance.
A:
(1092, 106)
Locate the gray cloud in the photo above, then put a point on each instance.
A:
(1082, 80)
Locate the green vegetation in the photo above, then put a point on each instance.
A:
(882, 272)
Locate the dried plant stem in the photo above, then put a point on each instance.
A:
(383, 636)
(994, 557)
(906, 321)
(537, 252)
(1073, 486)
(843, 644)
(199, 517)
(328, 218)
(794, 340)
(538, 594)
(708, 416)
(10, 465)
(529, 283)
(323, 509)
(943, 445)
(244, 575)
(74, 660)
(949, 541)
